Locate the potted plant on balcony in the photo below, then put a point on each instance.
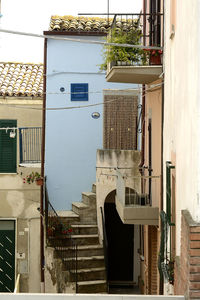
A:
(155, 56)
(124, 55)
(33, 177)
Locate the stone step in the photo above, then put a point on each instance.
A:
(94, 188)
(78, 207)
(89, 198)
(87, 250)
(94, 286)
(85, 239)
(87, 262)
(88, 274)
(68, 217)
(78, 239)
(84, 229)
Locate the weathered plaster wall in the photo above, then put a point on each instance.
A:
(182, 111)
(56, 279)
(20, 201)
(107, 162)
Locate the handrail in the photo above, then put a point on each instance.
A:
(55, 228)
(16, 289)
(105, 245)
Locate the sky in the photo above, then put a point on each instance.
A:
(34, 16)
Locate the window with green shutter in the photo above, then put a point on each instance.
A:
(8, 147)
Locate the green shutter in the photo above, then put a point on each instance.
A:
(8, 148)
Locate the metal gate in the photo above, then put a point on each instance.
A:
(7, 255)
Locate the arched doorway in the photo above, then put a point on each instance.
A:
(120, 244)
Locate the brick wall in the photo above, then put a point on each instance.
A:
(153, 261)
(120, 118)
(187, 267)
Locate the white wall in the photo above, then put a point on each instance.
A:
(72, 136)
(181, 108)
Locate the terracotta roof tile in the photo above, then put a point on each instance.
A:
(89, 24)
(18, 79)
(70, 23)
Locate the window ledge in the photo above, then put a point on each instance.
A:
(30, 165)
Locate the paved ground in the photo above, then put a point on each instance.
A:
(124, 290)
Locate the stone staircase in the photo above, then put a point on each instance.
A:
(91, 273)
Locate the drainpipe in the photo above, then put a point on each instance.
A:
(161, 290)
(143, 88)
(42, 263)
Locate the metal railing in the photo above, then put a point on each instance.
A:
(30, 144)
(144, 190)
(105, 246)
(136, 29)
(58, 235)
(165, 263)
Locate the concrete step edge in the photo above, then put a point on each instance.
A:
(88, 270)
(77, 236)
(80, 205)
(93, 282)
(86, 258)
(81, 247)
(88, 194)
(84, 226)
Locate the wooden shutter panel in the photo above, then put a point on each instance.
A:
(8, 147)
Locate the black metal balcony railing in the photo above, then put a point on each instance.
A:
(136, 29)
(144, 189)
(30, 144)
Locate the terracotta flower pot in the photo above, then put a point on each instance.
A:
(155, 59)
(39, 181)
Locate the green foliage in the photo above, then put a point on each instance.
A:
(124, 54)
(31, 177)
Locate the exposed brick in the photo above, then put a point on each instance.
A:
(195, 229)
(194, 269)
(194, 295)
(195, 244)
(195, 236)
(194, 285)
(195, 260)
(194, 277)
(195, 252)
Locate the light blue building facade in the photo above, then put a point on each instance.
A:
(74, 130)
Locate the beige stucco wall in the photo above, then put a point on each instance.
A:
(153, 111)
(20, 201)
(128, 163)
(181, 109)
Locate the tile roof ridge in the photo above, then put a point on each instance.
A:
(21, 63)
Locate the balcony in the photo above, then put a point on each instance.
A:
(140, 203)
(137, 197)
(135, 65)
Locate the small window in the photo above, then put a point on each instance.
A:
(8, 147)
(79, 91)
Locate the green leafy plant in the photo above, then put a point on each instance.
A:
(32, 177)
(124, 54)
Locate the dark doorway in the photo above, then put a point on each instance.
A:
(7, 256)
(120, 246)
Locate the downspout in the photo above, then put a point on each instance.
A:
(161, 291)
(143, 89)
(42, 263)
